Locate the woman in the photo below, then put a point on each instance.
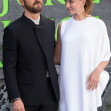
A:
(83, 51)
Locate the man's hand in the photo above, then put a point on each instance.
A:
(18, 105)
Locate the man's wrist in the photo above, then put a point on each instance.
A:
(15, 99)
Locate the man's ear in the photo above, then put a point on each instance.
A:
(21, 2)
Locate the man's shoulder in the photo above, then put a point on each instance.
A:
(16, 23)
(47, 20)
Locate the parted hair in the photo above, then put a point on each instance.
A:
(88, 6)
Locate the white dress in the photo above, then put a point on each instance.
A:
(85, 44)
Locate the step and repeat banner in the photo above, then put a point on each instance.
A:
(10, 10)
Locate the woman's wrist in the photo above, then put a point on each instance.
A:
(99, 69)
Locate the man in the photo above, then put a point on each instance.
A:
(28, 50)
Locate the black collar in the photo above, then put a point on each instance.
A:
(30, 22)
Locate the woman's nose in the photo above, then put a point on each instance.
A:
(67, 5)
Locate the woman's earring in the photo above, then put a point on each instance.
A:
(81, 5)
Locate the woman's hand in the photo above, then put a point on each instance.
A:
(93, 79)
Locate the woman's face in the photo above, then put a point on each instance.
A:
(74, 6)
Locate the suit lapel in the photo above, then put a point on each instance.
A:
(41, 37)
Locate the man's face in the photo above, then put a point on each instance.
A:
(33, 6)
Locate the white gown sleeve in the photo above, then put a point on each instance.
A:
(105, 48)
(105, 56)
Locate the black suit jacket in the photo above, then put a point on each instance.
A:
(24, 64)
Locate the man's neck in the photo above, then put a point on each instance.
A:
(31, 15)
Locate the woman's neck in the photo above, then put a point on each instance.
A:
(81, 16)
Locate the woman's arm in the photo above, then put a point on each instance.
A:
(105, 57)
(93, 79)
(57, 52)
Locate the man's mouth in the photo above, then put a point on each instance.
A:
(37, 2)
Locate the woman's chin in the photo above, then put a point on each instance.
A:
(71, 13)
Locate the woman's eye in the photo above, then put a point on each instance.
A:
(68, 1)
(71, 1)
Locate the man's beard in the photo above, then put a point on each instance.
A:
(32, 9)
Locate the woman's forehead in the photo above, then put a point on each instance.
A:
(73, 0)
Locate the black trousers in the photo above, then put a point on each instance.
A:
(49, 102)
